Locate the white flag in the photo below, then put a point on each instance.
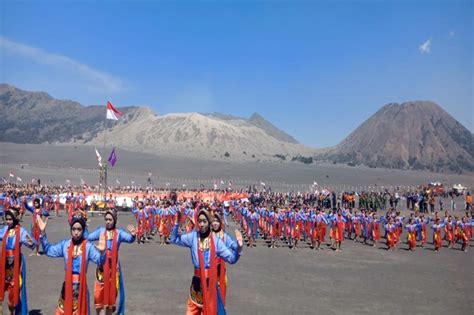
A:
(117, 181)
(262, 183)
(18, 179)
(99, 158)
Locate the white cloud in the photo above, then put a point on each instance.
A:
(96, 79)
(425, 48)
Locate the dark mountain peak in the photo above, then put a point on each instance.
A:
(256, 116)
(417, 135)
(36, 117)
(257, 120)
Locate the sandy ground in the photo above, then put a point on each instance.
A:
(359, 280)
(59, 163)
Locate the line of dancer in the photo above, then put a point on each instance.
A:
(279, 225)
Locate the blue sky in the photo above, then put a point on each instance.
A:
(315, 69)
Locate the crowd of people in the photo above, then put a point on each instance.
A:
(199, 220)
(211, 248)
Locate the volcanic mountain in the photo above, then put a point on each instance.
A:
(36, 117)
(198, 135)
(411, 135)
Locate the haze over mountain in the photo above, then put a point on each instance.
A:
(412, 135)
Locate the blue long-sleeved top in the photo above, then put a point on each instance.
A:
(60, 249)
(44, 212)
(190, 240)
(230, 242)
(122, 236)
(11, 239)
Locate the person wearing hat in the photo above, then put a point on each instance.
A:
(322, 221)
(76, 252)
(437, 240)
(338, 223)
(38, 212)
(166, 215)
(205, 249)
(109, 274)
(217, 226)
(411, 236)
(12, 263)
(141, 216)
(391, 231)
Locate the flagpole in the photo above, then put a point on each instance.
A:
(104, 166)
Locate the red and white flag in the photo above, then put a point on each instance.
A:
(112, 112)
(99, 158)
(12, 174)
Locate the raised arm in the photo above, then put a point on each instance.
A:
(28, 207)
(26, 239)
(230, 256)
(127, 237)
(94, 236)
(185, 240)
(55, 250)
(230, 242)
(95, 255)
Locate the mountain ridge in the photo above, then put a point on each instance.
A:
(412, 135)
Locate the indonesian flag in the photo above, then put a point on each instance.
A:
(112, 112)
(12, 174)
(99, 158)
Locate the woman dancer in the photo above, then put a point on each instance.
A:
(205, 248)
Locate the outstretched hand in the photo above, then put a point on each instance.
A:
(29, 241)
(102, 243)
(131, 229)
(238, 237)
(41, 224)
